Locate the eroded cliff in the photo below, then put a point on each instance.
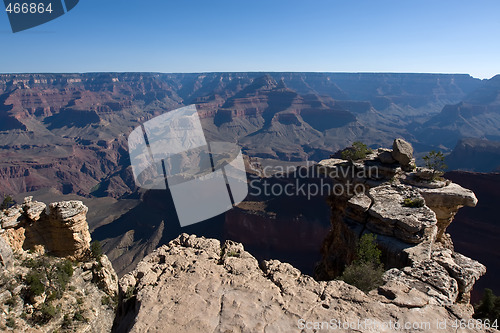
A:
(195, 284)
(50, 279)
(408, 209)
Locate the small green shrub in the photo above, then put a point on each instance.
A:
(7, 202)
(365, 276)
(11, 322)
(47, 312)
(414, 202)
(96, 249)
(34, 281)
(368, 250)
(105, 300)
(111, 302)
(11, 301)
(67, 321)
(358, 151)
(57, 274)
(435, 160)
(488, 307)
(233, 254)
(79, 316)
(53, 296)
(63, 273)
(366, 271)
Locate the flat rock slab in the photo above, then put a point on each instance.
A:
(390, 217)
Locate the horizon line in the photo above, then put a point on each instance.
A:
(246, 72)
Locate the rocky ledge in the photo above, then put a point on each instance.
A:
(408, 209)
(61, 227)
(195, 284)
(50, 279)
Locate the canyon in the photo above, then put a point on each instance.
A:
(201, 283)
(68, 131)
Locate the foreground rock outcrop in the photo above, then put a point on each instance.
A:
(50, 279)
(195, 284)
(408, 209)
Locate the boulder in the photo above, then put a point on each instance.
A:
(11, 217)
(104, 276)
(29, 211)
(33, 209)
(62, 230)
(69, 232)
(402, 152)
(357, 207)
(385, 156)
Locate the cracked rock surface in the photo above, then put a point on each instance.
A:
(195, 284)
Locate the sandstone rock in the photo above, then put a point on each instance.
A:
(402, 152)
(357, 207)
(433, 296)
(411, 239)
(385, 156)
(192, 286)
(413, 179)
(104, 276)
(17, 214)
(388, 216)
(449, 196)
(6, 256)
(11, 217)
(430, 272)
(15, 237)
(94, 307)
(33, 209)
(463, 269)
(425, 173)
(445, 202)
(403, 295)
(63, 230)
(4, 296)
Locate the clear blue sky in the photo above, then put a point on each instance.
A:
(437, 36)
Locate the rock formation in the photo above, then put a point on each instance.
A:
(194, 284)
(70, 290)
(409, 212)
(402, 152)
(61, 228)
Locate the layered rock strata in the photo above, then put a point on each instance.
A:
(61, 228)
(409, 212)
(69, 289)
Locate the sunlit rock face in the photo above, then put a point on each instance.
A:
(408, 211)
(61, 227)
(195, 284)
